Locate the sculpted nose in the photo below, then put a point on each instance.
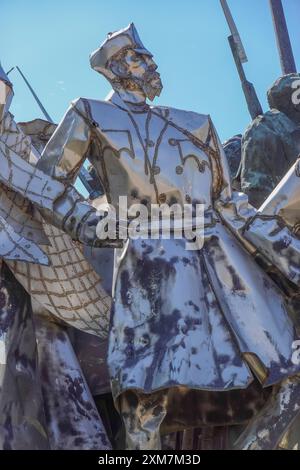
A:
(151, 64)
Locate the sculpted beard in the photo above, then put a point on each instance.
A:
(152, 84)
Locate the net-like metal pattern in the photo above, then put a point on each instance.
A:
(69, 288)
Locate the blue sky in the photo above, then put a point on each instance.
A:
(51, 42)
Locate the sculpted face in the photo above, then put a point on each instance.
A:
(140, 69)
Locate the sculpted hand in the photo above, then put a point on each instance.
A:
(87, 233)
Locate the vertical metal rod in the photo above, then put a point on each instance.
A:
(282, 38)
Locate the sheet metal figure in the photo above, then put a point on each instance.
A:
(183, 321)
(67, 286)
(69, 374)
(72, 421)
(22, 418)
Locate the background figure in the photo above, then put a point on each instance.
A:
(271, 144)
(233, 149)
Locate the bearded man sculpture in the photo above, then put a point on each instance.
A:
(186, 324)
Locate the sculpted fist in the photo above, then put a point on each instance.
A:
(87, 233)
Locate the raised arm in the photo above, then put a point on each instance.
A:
(67, 149)
(62, 158)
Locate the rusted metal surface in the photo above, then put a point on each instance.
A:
(73, 421)
(142, 415)
(22, 419)
(91, 353)
(267, 429)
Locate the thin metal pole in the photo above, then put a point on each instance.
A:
(282, 38)
(7, 73)
(35, 95)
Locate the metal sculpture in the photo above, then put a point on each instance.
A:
(184, 322)
(37, 419)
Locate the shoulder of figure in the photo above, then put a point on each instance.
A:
(265, 126)
(185, 119)
(90, 108)
(195, 123)
(81, 103)
(180, 114)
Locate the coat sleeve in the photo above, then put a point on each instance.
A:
(67, 149)
(62, 159)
